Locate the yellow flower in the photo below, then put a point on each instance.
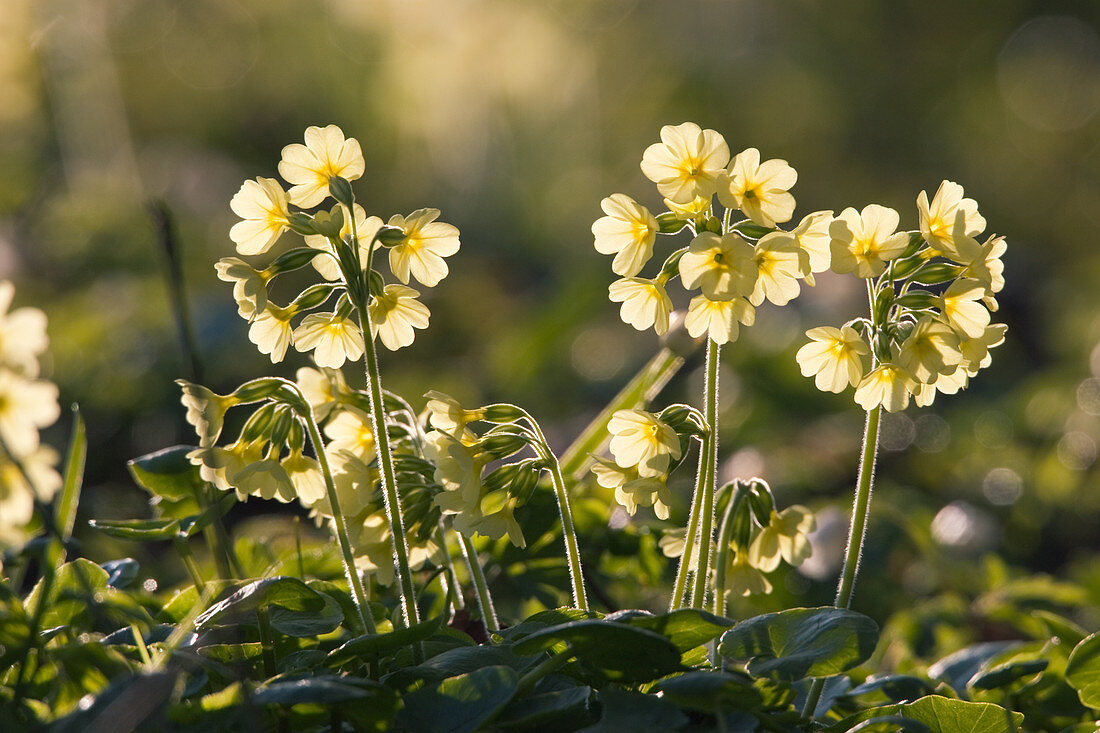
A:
(249, 285)
(264, 479)
(718, 318)
(812, 238)
(447, 415)
(494, 519)
(865, 241)
(744, 579)
(687, 161)
(948, 217)
(887, 385)
(350, 431)
(306, 478)
(759, 190)
(420, 254)
(373, 546)
(785, 537)
(333, 339)
(983, 263)
(639, 439)
(262, 205)
(692, 210)
(458, 470)
(930, 350)
(322, 388)
(365, 229)
(271, 332)
(644, 303)
(220, 466)
(395, 314)
(632, 490)
(628, 232)
(355, 478)
(17, 495)
(25, 406)
(205, 410)
(835, 357)
(778, 263)
(723, 267)
(962, 306)
(22, 334)
(975, 349)
(325, 155)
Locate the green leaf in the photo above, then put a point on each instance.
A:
(454, 662)
(459, 704)
(686, 628)
(801, 642)
(546, 619)
(285, 592)
(890, 724)
(302, 624)
(326, 690)
(373, 645)
(232, 653)
(959, 668)
(942, 715)
(167, 473)
(711, 691)
(190, 526)
(120, 573)
(137, 530)
(65, 514)
(1083, 670)
(620, 652)
(637, 713)
(73, 589)
(894, 688)
(559, 710)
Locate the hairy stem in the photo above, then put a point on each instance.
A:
(488, 611)
(706, 514)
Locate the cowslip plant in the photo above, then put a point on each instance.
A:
(735, 264)
(930, 295)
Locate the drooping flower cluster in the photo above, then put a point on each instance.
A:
(735, 265)
(27, 404)
(340, 244)
(918, 340)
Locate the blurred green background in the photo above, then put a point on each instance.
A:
(515, 119)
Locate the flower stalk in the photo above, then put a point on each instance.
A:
(484, 600)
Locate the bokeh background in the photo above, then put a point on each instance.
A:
(515, 119)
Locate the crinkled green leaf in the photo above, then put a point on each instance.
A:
(801, 642)
(284, 592)
(621, 652)
(557, 710)
(459, 704)
(711, 691)
(687, 628)
(623, 710)
(167, 473)
(371, 645)
(302, 624)
(1083, 670)
(327, 689)
(942, 715)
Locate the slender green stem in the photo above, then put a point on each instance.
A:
(189, 562)
(454, 590)
(488, 611)
(690, 534)
(706, 514)
(385, 460)
(267, 641)
(721, 560)
(858, 529)
(338, 520)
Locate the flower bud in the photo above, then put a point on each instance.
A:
(341, 190)
(762, 501)
(313, 296)
(301, 223)
(258, 389)
(502, 445)
(883, 303)
(279, 429)
(258, 423)
(904, 267)
(939, 272)
(502, 477)
(503, 413)
(918, 300)
(329, 223)
(391, 236)
(669, 223)
(293, 259)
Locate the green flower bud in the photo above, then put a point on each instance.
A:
(670, 223)
(502, 445)
(903, 268)
(301, 223)
(279, 429)
(712, 224)
(313, 296)
(762, 501)
(259, 389)
(258, 423)
(936, 273)
(916, 241)
(502, 477)
(340, 189)
(918, 300)
(376, 283)
(672, 264)
(883, 304)
(390, 236)
(749, 229)
(503, 413)
(293, 259)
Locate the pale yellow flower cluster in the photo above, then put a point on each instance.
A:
(736, 265)
(919, 341)
(476, 504)
(27, 404)
(644, 448)
(418, 245)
